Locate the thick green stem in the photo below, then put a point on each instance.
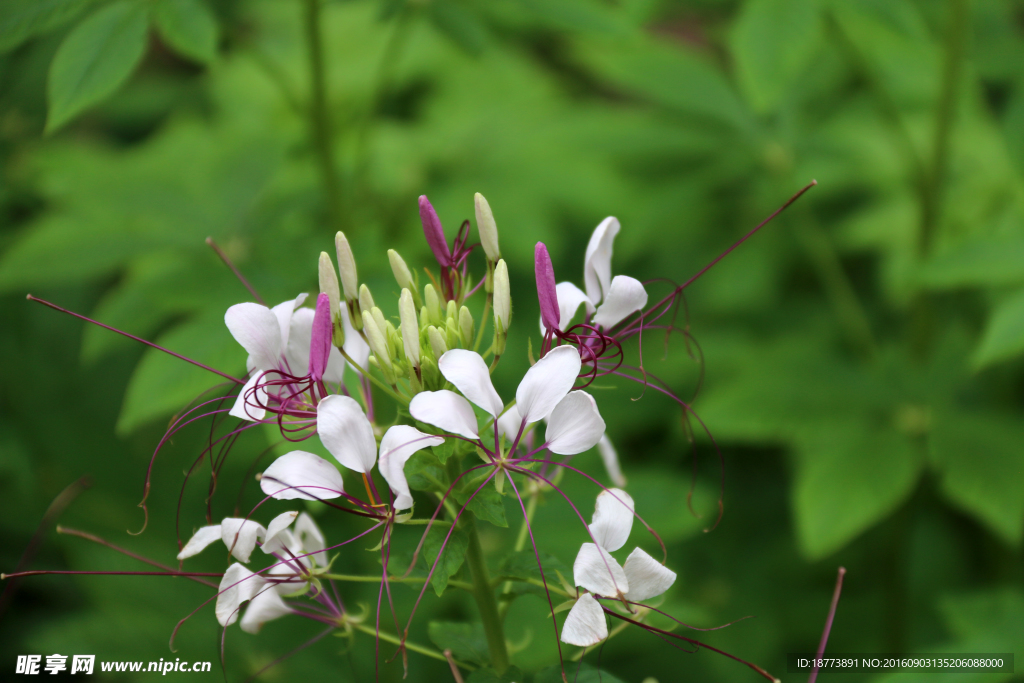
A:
(485, 599)
(319, 117)
(531, 508)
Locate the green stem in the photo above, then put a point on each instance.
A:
(531, 508)
(485, 599)
(352, 578)
(319, 117)
(389, 638)
(836, 284)
(933, 182)
(483, 323)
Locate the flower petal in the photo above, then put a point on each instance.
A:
(509, 424)
(251, 399)
(570, 298)
(284, 312)
(446, 410)
(597, 571)
(626, 296)
(597, 263)
(278, 537)
(613, 519)
(320, 344)
(302, 475)
(346, 433)
(547, 382)
(611, 461)
(203, 537)
(647, 577)
(264, 606)
(256, 328)
(397, 446)
(240, 536)
(237, 586)
(311, 539)
(586, 624)
(575, 424)
(468, 371)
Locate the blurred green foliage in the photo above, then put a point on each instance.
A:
(864, 373)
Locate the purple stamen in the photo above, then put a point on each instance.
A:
(320, 345)
(434, 233)
(546, 292)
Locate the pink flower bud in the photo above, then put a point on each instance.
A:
(434, 232)
(320, 344)
(546, 287)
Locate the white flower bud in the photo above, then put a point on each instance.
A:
(437, 343)
(403, 276)
(329, 286)
(433, 304)
(466, 327)
(347, 266)
(452, 311)
(487, 228)
(377, 342)
(502, 296)
(410, 327)
(365, 298)
(502, 307)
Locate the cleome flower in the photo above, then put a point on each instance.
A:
(292, 538)
(278, 342)
(348, 435)
(545, 392)
(595, 570)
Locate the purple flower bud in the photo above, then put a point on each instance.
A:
(434, 232)
(320, 344)
(546, 287)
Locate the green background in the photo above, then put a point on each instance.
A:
(863, 366)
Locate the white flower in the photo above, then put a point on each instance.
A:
(278, 339)
(291, 537)
(348, 435)
(642, 576)
(574, 423)
(609, 299)
(239, 535)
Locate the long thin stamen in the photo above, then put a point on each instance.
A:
(132, 336)
(828, 624)
(227, 262)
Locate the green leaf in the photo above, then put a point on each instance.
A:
(452, 556)
(523, 565)
(488, 504)
(981, 458)
(850, 476)
(584, 674)
(773, 42)
(460, 22)
(424, 472)
(488, 675)
(1004, 334)
(95, 59)
(983, 262)
(162, 384)
(445, 450)
(468, 642)
(23, 19)
(189, 27)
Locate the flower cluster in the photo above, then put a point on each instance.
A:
(453, 441)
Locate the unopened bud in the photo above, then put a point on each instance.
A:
(502, 306)
(451, 333)
(320, 338)
(438, 346)
(410, 327)
(365, 298)
(433, 305)
(378, 344)
(451, 311)
(403, 276)
(329, 286)
(347, 267)
(466, 327)
(487, 228)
